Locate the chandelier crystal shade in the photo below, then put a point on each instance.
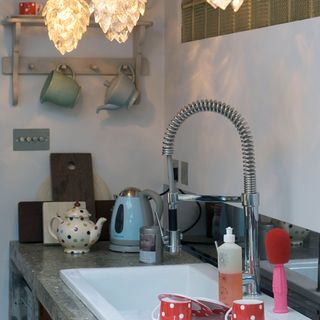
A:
(222, 4)
(67, 21)
(117, 18)
(236, 4)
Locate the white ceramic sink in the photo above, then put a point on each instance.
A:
(125, 293)
(132, 292)
(305, 267)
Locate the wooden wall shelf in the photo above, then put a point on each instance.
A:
(18, 65)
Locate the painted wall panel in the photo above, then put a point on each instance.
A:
(271, 76)
(125, 145)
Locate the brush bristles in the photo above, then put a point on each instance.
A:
(277, 244)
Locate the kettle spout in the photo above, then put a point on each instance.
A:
(96, 230)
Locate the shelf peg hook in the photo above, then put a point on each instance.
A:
(94, 67)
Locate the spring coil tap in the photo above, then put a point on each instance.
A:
(250, 197)
(247, 146)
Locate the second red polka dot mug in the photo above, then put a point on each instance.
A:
(246, 309)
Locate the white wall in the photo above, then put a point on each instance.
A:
(272, 77)
(125, 145)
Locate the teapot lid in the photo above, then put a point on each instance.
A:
(77, 212)
(130, 192)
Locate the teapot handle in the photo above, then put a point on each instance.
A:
(124, 67)
(158, 201)
(50, 228)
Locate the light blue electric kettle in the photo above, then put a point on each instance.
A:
(132, 210)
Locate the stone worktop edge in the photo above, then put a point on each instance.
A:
(40, 265)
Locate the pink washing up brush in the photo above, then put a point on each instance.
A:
(277, 243)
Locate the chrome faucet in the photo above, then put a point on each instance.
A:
(249, 198)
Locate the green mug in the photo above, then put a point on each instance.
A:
(61, 88)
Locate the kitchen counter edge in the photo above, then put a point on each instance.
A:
(39, 265)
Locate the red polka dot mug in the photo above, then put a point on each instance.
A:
(29, 8)
(174, 307)
(201, 308)
(246, 309)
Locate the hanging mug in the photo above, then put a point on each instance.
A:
(61, 88)
(121, 91)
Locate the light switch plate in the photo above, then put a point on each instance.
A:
(52, 209)
(31, 139)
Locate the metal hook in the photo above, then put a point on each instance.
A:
(94, 67)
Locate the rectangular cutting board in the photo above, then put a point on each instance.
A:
(30, 218)
(72, 178)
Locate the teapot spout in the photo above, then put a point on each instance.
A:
(101, 108)
(96, 230)
(107, 107)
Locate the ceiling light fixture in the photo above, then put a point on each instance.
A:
(222, 4)
(67, 20)
(236, 4)
(117, 17)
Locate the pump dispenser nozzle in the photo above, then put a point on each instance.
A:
(229, 237)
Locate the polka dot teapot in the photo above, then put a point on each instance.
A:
(76, 233)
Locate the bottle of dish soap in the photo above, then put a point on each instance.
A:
(230, 269)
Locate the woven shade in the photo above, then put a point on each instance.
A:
(200, 20)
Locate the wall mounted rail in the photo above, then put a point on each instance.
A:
(19, 65)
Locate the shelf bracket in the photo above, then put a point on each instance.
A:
(17, 65)
(138, 40)
(16, 32)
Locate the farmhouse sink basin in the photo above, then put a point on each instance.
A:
(125, 293)
(305, 267)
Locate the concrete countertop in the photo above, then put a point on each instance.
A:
(40, 265)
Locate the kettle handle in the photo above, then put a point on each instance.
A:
(158, 201)
(50, 228)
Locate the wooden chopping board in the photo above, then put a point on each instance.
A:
(72, 178)
(30, 220)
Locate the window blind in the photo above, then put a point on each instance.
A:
(200, 20)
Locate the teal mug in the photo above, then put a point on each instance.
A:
(61, 88)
